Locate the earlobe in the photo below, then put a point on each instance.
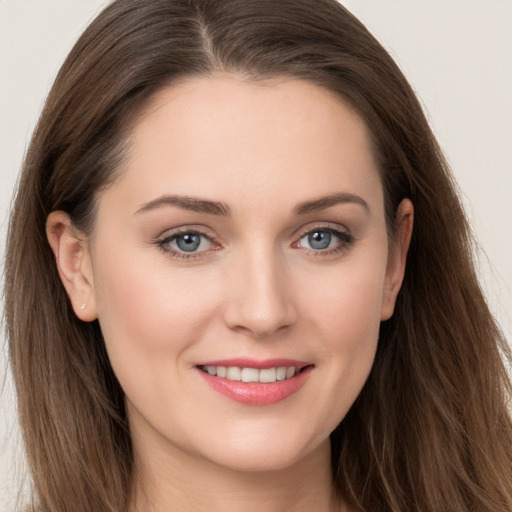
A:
(397, 258)
(73, 264)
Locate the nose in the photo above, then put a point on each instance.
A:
(260, 300)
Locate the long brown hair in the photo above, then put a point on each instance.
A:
(431, 430)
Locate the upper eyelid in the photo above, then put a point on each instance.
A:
(208, 233)
(322, 226)
(204, 231)
(174, 232)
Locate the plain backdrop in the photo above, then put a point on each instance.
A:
(456, 53)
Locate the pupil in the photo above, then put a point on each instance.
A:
(320, 240)
(188, 243)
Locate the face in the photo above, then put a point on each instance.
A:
(244, 239)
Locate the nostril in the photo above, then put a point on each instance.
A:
(259, 325)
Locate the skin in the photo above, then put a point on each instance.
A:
(256, 287)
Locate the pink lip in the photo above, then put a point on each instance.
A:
(245, 362)
(255, 393)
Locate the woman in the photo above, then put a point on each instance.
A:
(238, 272)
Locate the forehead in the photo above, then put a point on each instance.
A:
(235, 140)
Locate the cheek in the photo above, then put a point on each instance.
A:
(350, 339)
(345, 321)
(149, 314)
(346, 301)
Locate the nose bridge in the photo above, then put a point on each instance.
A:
(260, 300)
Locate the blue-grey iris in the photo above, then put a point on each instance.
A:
(188, 243)
(319, 239)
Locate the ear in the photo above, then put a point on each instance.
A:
(73, 264)
(397, 257)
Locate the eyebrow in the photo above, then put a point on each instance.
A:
(187, 203)
(328, 201)
(196, 204)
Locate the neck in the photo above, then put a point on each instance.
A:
(173, 480)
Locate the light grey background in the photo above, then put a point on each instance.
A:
(456, 53)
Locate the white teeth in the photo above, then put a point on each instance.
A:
(233, 373)
(212, 370)
(267, 375)
(281, 373)
(250, 375)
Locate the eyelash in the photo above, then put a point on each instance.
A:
(345, 240)
(164, 244)
(344, 237)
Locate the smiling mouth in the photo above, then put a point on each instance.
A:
(266, 375)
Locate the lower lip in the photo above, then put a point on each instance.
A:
(256, 393)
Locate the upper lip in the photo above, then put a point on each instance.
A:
(260, 364)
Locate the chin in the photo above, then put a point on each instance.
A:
(264, 451)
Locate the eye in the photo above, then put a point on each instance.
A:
(324, 240)
(186, 244)
(189, 242)
(318, 240)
